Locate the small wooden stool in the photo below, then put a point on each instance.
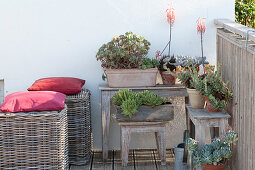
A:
(203, 119)
(129, 127)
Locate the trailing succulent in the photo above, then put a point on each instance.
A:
(126, 52)
(215, 153)
(130, 101)
(216, 90)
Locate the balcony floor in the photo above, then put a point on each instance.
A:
(138, 160)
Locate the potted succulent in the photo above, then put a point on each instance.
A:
(166, 62)
(125, 63)
(213, 156)
(166, 67)
(190, 78)
(143, 106)
(215, 90)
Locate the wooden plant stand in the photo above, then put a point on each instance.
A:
(202, 119)
(147, 119)
(107, 93)
(159, 128)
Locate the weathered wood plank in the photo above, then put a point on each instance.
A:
(205, 114)
(100, 164)
(144, 160)
(235, 27)
(118, 161)
(169, 160)
(86, 167)
(238, 66)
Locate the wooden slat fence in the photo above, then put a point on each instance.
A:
(238, 67)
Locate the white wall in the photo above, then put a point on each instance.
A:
(42, 38)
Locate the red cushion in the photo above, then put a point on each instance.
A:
(33, 101)
(66, 85)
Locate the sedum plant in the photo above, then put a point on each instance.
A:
(151, 99)
(215, 89)
(215, 153)
(130, 101)
(126, 52)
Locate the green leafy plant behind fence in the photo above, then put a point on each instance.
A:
(245, 12)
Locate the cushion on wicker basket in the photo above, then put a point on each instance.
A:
(66, 85)
(33, 101)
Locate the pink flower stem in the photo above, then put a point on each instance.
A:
(170, 36)
(202, 51)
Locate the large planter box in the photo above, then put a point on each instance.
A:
(131, 77)
(148, 114)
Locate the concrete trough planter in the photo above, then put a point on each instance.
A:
(131, 77)
(145, 113)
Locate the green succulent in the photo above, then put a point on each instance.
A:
(129, 107)
(215, 153)
(217, 103)
(151, 99)
(216, 90)
(149, 63)
(122, 96)
(191, 144)
(124, 52)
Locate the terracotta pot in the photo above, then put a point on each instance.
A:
(209, 106)
(215, 167)
(131, 77)
(197, 101)
(167, 78)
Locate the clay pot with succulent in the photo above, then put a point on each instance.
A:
(125, 61)
(193, 81)
(215, 90)
(213, 156)
(167, 62)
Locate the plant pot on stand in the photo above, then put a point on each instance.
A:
(215, 167)
(210, 107)
(131, 77)
(168, 78)
(197, 101)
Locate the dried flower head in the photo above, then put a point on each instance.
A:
(170, 14)
(201, 25)
(157, 54)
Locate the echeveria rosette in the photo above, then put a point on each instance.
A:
(217, 152)
(191, 144)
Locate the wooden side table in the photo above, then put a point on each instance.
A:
(159, 128)
(107, 93)
(202, 118)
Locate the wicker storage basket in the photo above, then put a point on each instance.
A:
(34, 140)
(79, 127)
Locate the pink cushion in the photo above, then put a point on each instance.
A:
(33, 101)
(66, 85)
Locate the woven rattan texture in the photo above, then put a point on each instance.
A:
(79, 127)
(34, 140)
